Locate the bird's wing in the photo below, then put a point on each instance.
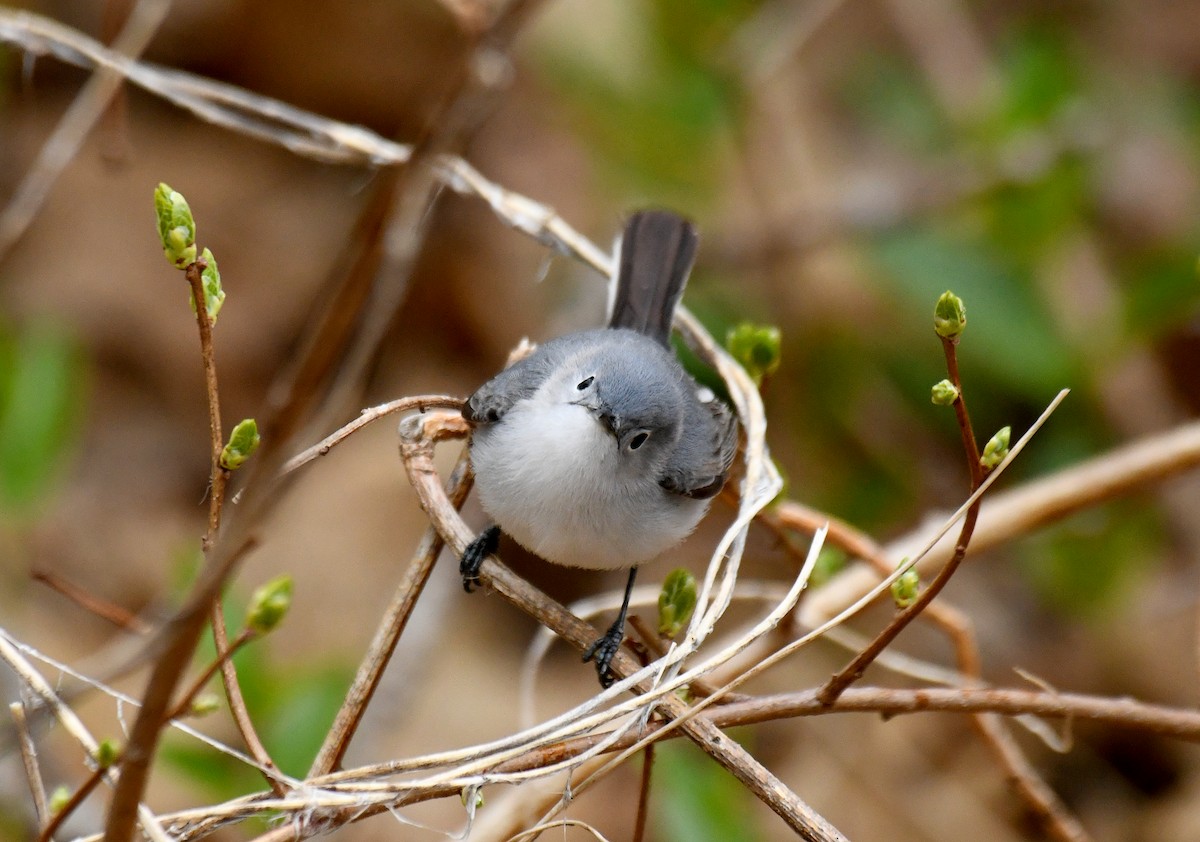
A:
(519, 381)
(710, 439)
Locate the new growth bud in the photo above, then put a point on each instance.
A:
(676, 602)
(59, 799)
(996, 450)
(269, 604)
(204, 704)
(949, 316)
(214, 296)
(106, 753)
(906, 589)
(944, 393)
(243, 441)
(756, 347)
(176, 227)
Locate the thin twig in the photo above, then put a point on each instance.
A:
(71, 723)
(29, 758)
(110, 611)
(387, 635)
(76, 799)
(643, 806)
(233, 692)
(218, 476)
(1019, 511)
(198, 683)
(419, 403)
(858, 665)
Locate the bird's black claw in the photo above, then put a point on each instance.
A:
(472, 558)
(603, 651)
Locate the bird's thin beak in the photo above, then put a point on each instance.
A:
(596, 405)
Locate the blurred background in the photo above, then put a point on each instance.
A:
(846, 162)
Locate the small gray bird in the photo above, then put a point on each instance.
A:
(597, 450)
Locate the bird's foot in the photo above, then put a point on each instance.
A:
(604, 650)
(472, 558)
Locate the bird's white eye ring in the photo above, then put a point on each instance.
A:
(638, 440)
(587, 381)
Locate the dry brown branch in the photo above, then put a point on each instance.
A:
(364, 786)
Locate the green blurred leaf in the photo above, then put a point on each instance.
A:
(1162, 290)
(221, 776)
(1040, 76)
(894, 101)
(1083, 565)
(657, 126)
(1025, 220)
(41, 378)
(301, 714)
(695, 800)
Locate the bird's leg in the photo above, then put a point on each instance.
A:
(472, 558)
(607, 645)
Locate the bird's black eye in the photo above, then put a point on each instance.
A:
(587, 381)
(638, 440)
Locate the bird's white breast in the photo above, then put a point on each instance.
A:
(552, 477)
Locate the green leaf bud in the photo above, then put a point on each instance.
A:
(107, 753)
(676, 602)
(996, 450)
(176, 227)
(59, 799)
(269, 604)
(756, 347)
(949, 316)
(243, 441)
(204, 704)
(907, 587)
(214, 296)
(944, 393)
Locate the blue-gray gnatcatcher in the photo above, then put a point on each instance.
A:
(597, 450)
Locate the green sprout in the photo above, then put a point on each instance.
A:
(996, 450)
(944, 393)
(210, 278)
(676, 602)
(949, 316)
(176, 226)
(243, 441)
(906, 588)
(107, 753)
(756, 347)
(204, 704)
(269, 604)
(59, 799)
